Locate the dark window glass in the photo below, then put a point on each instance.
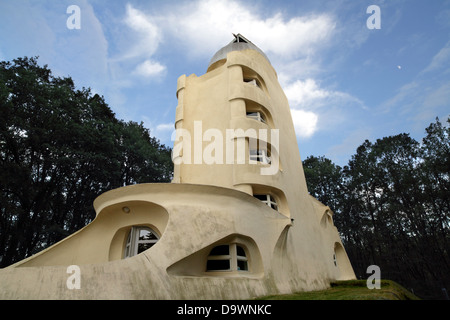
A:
(145, 234)
(220, 251)
(242, 265)
(240, 251)
(144, 246)
(218, 265)
(261, 197)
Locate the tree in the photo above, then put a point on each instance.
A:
(391, 205)
(324, 180)
(60, 147)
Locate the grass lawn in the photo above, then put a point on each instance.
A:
(351, 290)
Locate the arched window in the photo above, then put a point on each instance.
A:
(229, 257)
(139, 239)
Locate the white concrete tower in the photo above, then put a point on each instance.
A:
(237, 128)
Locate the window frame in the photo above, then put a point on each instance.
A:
(260, 155)
(234, 259)
(270, 200)
(256, 115)
(132, 242)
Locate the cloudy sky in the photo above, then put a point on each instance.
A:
(345, 82)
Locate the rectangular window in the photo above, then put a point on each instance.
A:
(227, 258)
(256, 116)
(262, 156)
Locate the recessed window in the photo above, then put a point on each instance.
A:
(267, 199)
(241, 257)
(230, 257)
(253, 82)
(139, 239)
(251, 77)
(260, 155)
(258, 116)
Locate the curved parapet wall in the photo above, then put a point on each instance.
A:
(191, 220)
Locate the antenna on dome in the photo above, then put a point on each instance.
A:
(239, 38)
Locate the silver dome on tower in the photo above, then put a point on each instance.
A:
(239, 43)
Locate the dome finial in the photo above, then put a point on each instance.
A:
(239, 43)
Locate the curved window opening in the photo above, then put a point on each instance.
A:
(267, 199)
(260, 155)
(342, 263)
(273, 197)
(230, 257)
(253, 81)
(139, 239)
(251, 77)
(258, 112)
(259, 151)
(258, 116)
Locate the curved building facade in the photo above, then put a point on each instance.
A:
(235, 223)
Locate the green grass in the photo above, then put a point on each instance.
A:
(351, 290)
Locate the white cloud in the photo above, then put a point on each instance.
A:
(305, 94)
(305, 123)
(403, 93)
(317, 109)
(163, 132)
(138, 41)
(87, 47)
(440, 61)
(435, 103)
(147, 36)
(308, 94)
(209, 24)
(165, 127)
(149, 68)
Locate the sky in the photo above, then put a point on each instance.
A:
(350, 71)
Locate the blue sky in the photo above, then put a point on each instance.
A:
(345, 82)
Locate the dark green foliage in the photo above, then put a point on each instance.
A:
(392, 207)
(60, 148)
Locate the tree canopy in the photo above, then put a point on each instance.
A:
(61, 147)
(392, 207)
